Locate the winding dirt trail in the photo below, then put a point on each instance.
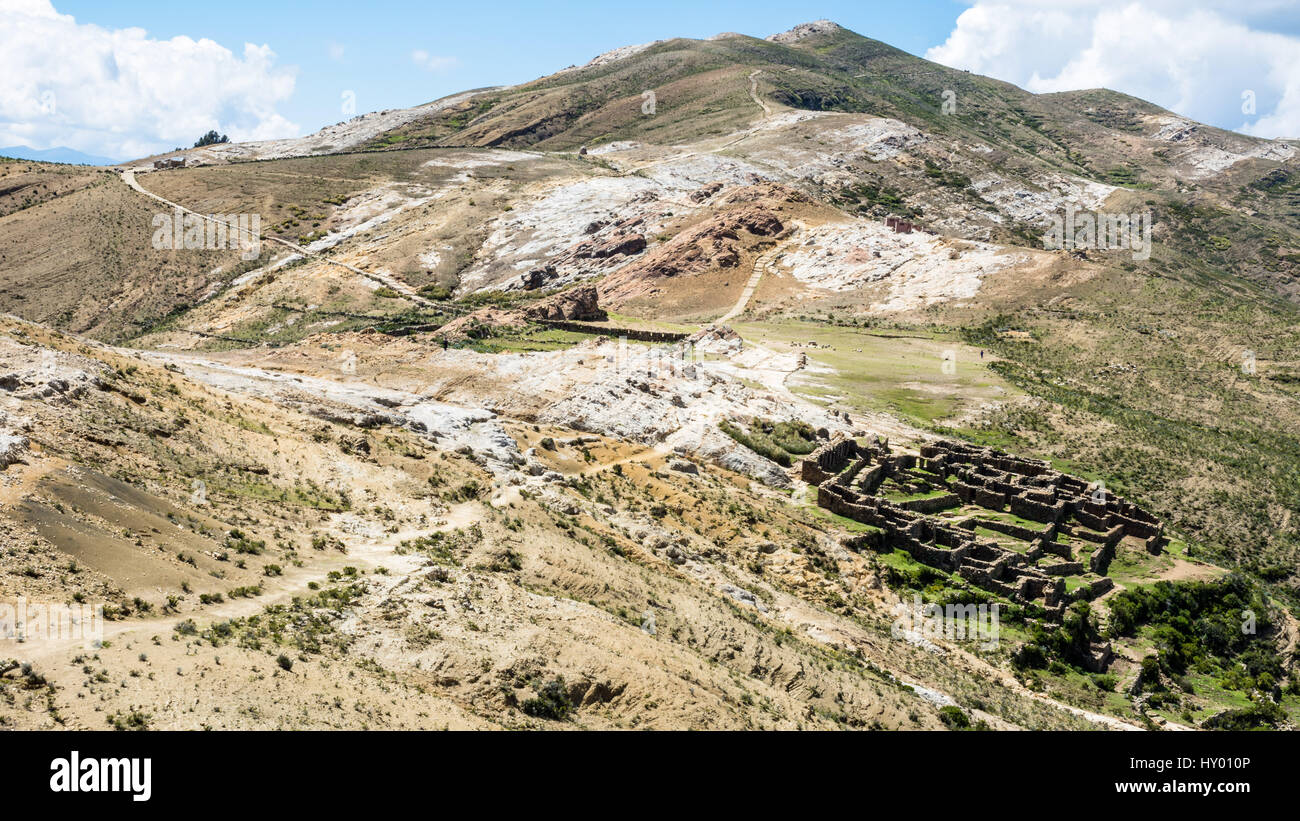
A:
(128, 177)
(740, 136)
(761, 263)
(753, 93)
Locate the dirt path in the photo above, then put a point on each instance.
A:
(657, 451)
(753, 93)
(364, 555)
(128, 177)
(736, 310)
(760, 264)
(740, 136)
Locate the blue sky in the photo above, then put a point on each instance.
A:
(125, 79)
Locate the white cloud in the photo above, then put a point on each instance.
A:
(120, 93)
(433, 62)
(335, 51)
(1194, 58)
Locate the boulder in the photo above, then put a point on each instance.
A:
(579, 304)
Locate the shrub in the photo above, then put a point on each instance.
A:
(135, 720)
(237, 541)
(466, 492)
(1257, 716)
(435, 291)
(794, 437)
(757, 442)
(1029, 656)
(954, 718)
(552, 701)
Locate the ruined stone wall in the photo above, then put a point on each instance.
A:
(932, 555)
(981, 577)
(1157, 540)
(827, 460)
(1036, 511)
(845, 503)
(871, 479)
(990, 479)
(992, 499)
(1019, 531)
(1063, 569)
(875, 540)
(635, 334)
(846, 478)
(933, 504)
(1089, 519)
(1101, 558)
(1091, 591)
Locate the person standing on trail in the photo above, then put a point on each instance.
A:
(444, 342)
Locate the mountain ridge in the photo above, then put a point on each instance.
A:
(58, 154)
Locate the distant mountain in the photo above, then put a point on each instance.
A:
(60, 154)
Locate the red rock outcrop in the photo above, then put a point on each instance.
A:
(711, 245)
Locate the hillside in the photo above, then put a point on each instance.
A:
(540, 406)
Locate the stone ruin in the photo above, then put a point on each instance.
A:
(899, 225)
(974, 487)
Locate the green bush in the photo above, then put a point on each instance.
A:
(954, 718)
(466, 492)
(1258, 716)
(239, 542)
(435, 291)
(757, 441)
(1199, 624)
(552, 701)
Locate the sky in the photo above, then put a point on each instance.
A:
(132, 78)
